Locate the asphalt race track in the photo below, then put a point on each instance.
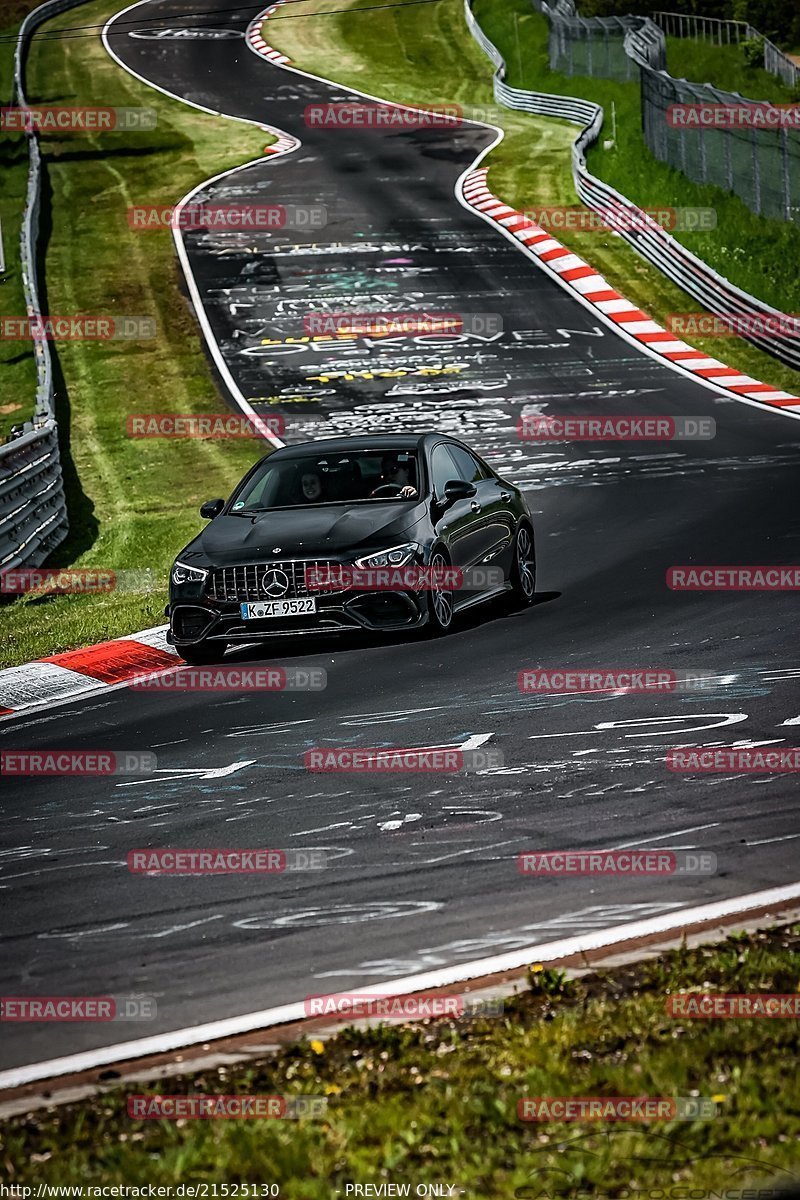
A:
(421, 868)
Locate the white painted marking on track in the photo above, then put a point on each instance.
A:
(661, 836)
(177, 1039)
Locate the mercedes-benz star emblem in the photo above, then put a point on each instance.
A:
(275, 583)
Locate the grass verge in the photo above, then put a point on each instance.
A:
(436, 1102)
(132, 502)
(725, 67)
(397, 54)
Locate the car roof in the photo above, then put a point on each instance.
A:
(373, 441)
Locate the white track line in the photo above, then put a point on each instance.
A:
(179, 1039)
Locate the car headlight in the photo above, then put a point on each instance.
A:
(181, 573)
(398, 556)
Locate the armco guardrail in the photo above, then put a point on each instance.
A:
(696, 277)
(755, 154)
(723, 32)
(33, 511)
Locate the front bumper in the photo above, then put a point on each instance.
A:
(192, 621)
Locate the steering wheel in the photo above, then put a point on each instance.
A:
(388, 489)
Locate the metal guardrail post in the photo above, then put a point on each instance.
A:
(33, 511)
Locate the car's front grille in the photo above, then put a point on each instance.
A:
(266, 581)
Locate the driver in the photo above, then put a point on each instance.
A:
(397, 473)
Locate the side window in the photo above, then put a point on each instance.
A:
(469, 469)
(443, 469)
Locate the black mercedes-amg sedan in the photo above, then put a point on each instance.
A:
(378, 533)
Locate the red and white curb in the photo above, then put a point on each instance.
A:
(597, 292)
(93, 669)
(255, 40)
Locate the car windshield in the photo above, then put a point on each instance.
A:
(346, 477)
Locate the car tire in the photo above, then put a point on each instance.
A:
(440, 601)
(523, 568)
(203, 653)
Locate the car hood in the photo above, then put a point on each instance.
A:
(335, 529)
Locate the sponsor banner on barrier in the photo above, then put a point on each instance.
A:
(436, 759)
(749, 115)
(702, 324)
(77, 581)
(232, 679)
(212, 425)
(731, 1006)
(73, 119)
(726, 760)
(710, 578)
(410, 1007)
(225, 1108)
(616, 1108)
(359, 115)
(96, 328)
(620, 217)
(536, 428)
(78, 1008)
(398, 324)
(617, 862)
(77, 762)
(224, 861)
(227, 217)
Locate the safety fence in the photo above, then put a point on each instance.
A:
(647, 237)
(33, 511)
(748, 147)
(729, 33)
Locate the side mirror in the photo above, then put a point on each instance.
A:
(211, 509)
(458, 489)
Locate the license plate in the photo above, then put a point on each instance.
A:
(278, 608)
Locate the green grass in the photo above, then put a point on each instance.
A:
(726, 68)
(132, 503)
(437, 1101)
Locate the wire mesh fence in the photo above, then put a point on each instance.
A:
(748, 147)
(720, 138)
(597, 45)
(729, 33)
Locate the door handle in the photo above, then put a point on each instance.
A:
(505, 496)
(476, 508)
